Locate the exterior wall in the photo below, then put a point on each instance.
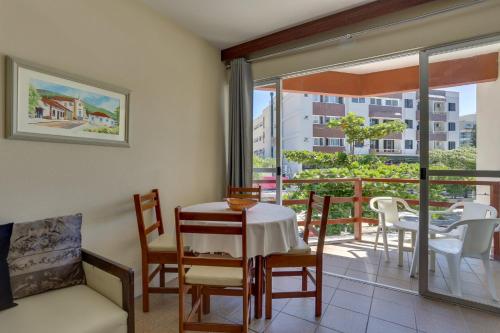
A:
(176, 119)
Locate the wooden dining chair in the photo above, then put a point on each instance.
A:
(301, 256)
(245, 192)
(212, 275)
(161, 251)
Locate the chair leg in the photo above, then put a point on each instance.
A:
(454, 267)
(269, 292)
(162, 275)
(200, 309)
(245, 308)
(386, 245)
(181, 308)
(319, 291)
(489, 277)
(376, 238)
(145, 287)
(304, 278)
(401, 241)
(206, 304)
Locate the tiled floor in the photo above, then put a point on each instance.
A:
(349, 306)
(360, 261)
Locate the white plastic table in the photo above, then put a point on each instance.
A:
(270, 229)
(411, 223)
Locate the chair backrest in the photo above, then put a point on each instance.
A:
(196, 223)
(245, 192)
(320, 205)
(144, 203)
(478, 234)
(388, 208)
(474, 210)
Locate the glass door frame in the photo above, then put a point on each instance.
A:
(278, 84)
(426, 173)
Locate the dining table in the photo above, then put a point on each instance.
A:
(271, 229)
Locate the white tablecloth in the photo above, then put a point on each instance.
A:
(270, 229)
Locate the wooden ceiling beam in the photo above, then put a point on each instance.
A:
(351, 16)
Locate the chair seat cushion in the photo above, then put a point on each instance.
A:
(301, 248)
(73, 309)
(445, 245)
(215, 276)
(164, 243)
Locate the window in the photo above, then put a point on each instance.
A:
(374, 121)
(335, 142)
(451, 127)
(408, 103)
(316, 98)
(391, 102)
(408, 144)
(318, 120)
(438, 107)
(330, 118)
(360, 100)
(451, 145)
(409, 123)
(452, 107)
(374, 144)
(388, 145)
(318, 141)
(359, 144)
(375, 101)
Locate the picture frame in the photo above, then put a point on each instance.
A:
(45, 104)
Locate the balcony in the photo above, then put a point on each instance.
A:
(435, 116)
(328, 109)
(435, 136)
(386, 151)
(322, 131)
(381, 111)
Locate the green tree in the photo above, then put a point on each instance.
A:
(33, 100)
(116, 116)
(355, 130)
(462, 158)
(263, 162)
(320, 160)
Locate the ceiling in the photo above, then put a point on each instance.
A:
(225, 23)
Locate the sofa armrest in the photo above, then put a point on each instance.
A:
(124, 274)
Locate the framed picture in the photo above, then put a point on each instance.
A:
(44, 104)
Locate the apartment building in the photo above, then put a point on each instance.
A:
(468, 130)
(305, 118)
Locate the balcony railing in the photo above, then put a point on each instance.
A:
(386, 150)
(358, 199)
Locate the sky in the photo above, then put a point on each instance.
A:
(101, 101)
(467, 102)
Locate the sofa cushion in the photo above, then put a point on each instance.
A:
(6, 300)
(45, 255)
(74, 309)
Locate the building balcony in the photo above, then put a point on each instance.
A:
(436, 135)
(385, 151)
(435, 116)
(322, 131)
(382, 111)
(328, 149)
(328, 109)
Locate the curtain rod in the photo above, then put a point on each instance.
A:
(364, 31)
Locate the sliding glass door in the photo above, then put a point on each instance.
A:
(459, 137)
(267, 139)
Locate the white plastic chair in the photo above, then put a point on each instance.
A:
(388, 214)
(475, 243)
(470, 211)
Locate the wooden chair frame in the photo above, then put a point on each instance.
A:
(301, 260)
(200, 292)
(160, 258)
(245, 192)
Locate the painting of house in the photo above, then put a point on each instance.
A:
(51, 109)
(101, 119)
(76, 105)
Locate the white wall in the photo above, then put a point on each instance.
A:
(176, 119)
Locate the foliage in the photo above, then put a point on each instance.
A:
(370, 189)
(116, 115)
(103, 130)
(263, 162)
(33, 100)
(320, 160)
(462, 158)
(355, 130)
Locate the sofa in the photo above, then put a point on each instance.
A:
(105, 304)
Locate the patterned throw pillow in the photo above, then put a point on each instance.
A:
(45, 255)
(5, 290)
